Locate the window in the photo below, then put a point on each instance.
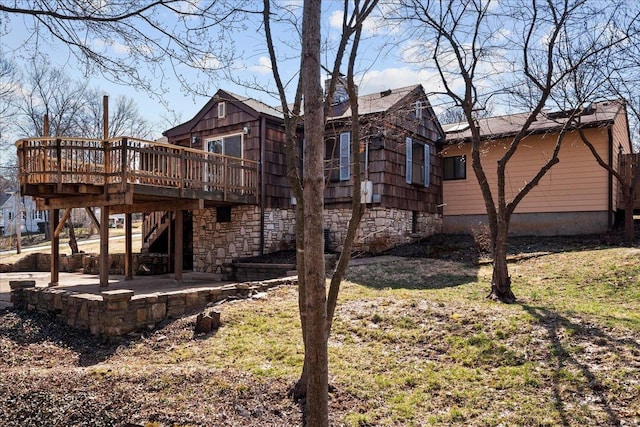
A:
(222, 110)
(455, 167)
(223, 214)
(418, 163)
(230, 145)
(418, 109)
(214, 173)
(338, 158)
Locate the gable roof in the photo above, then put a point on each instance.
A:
(597, 114)
(258, 106)
(250, 104)
(372, 103)
(379, 102)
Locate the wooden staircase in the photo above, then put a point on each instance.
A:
(155, 226)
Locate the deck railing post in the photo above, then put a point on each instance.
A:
(124, 164)
(106, 147)
(226, 177)
(182, 171)
(59, 160)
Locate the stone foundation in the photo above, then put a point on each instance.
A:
(380, 228)
(217, 244)
(119, 312)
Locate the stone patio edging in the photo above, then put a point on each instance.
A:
(119, 312)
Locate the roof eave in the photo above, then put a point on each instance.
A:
(589, 125)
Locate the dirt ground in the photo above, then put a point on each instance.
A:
(55, 376)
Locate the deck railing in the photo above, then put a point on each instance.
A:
(132, 161)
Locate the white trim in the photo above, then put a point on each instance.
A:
(222, 110)
(222, 137)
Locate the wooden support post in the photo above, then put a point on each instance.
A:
(54, 219)
(170, 240)
(104, 246)
(104, 210)
(128, 257)
(179, 229)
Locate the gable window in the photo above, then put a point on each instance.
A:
(418, 109)
(338, 158)
(418, 162)
(222, 110)
(454, 167)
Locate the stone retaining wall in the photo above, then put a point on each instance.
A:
(143, 264)
(119, 312)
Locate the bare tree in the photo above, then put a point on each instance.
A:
(514, 52)
(455, 114)
(137, 41)
(73, 110)
(47, 90)
(9, 83)
(316, 307)
(124, 118)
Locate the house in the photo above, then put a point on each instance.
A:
(401, 173)
(576, 196)
(13, 206)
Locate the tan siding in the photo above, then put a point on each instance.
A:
(621, 143)
(577, 183)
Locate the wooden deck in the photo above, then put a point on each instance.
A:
(131, 175)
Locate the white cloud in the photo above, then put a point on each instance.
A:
(188, 6)
(375, 24)
(262, 67)
(389, 78)
(207, 61)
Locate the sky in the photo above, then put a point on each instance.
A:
(380, 67)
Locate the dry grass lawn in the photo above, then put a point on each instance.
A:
(415, 343)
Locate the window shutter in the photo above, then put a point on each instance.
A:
(409, 160)
(345, 151)
(427, 164)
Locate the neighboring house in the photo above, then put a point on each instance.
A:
(12, 207)
(401, 173)
(576, 196)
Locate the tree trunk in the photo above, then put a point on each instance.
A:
(317, 409)
(629, 231)
(73, 242)
(500, 281)
(299, 390)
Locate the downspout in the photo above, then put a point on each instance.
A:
(263, 135)
(610, 204)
